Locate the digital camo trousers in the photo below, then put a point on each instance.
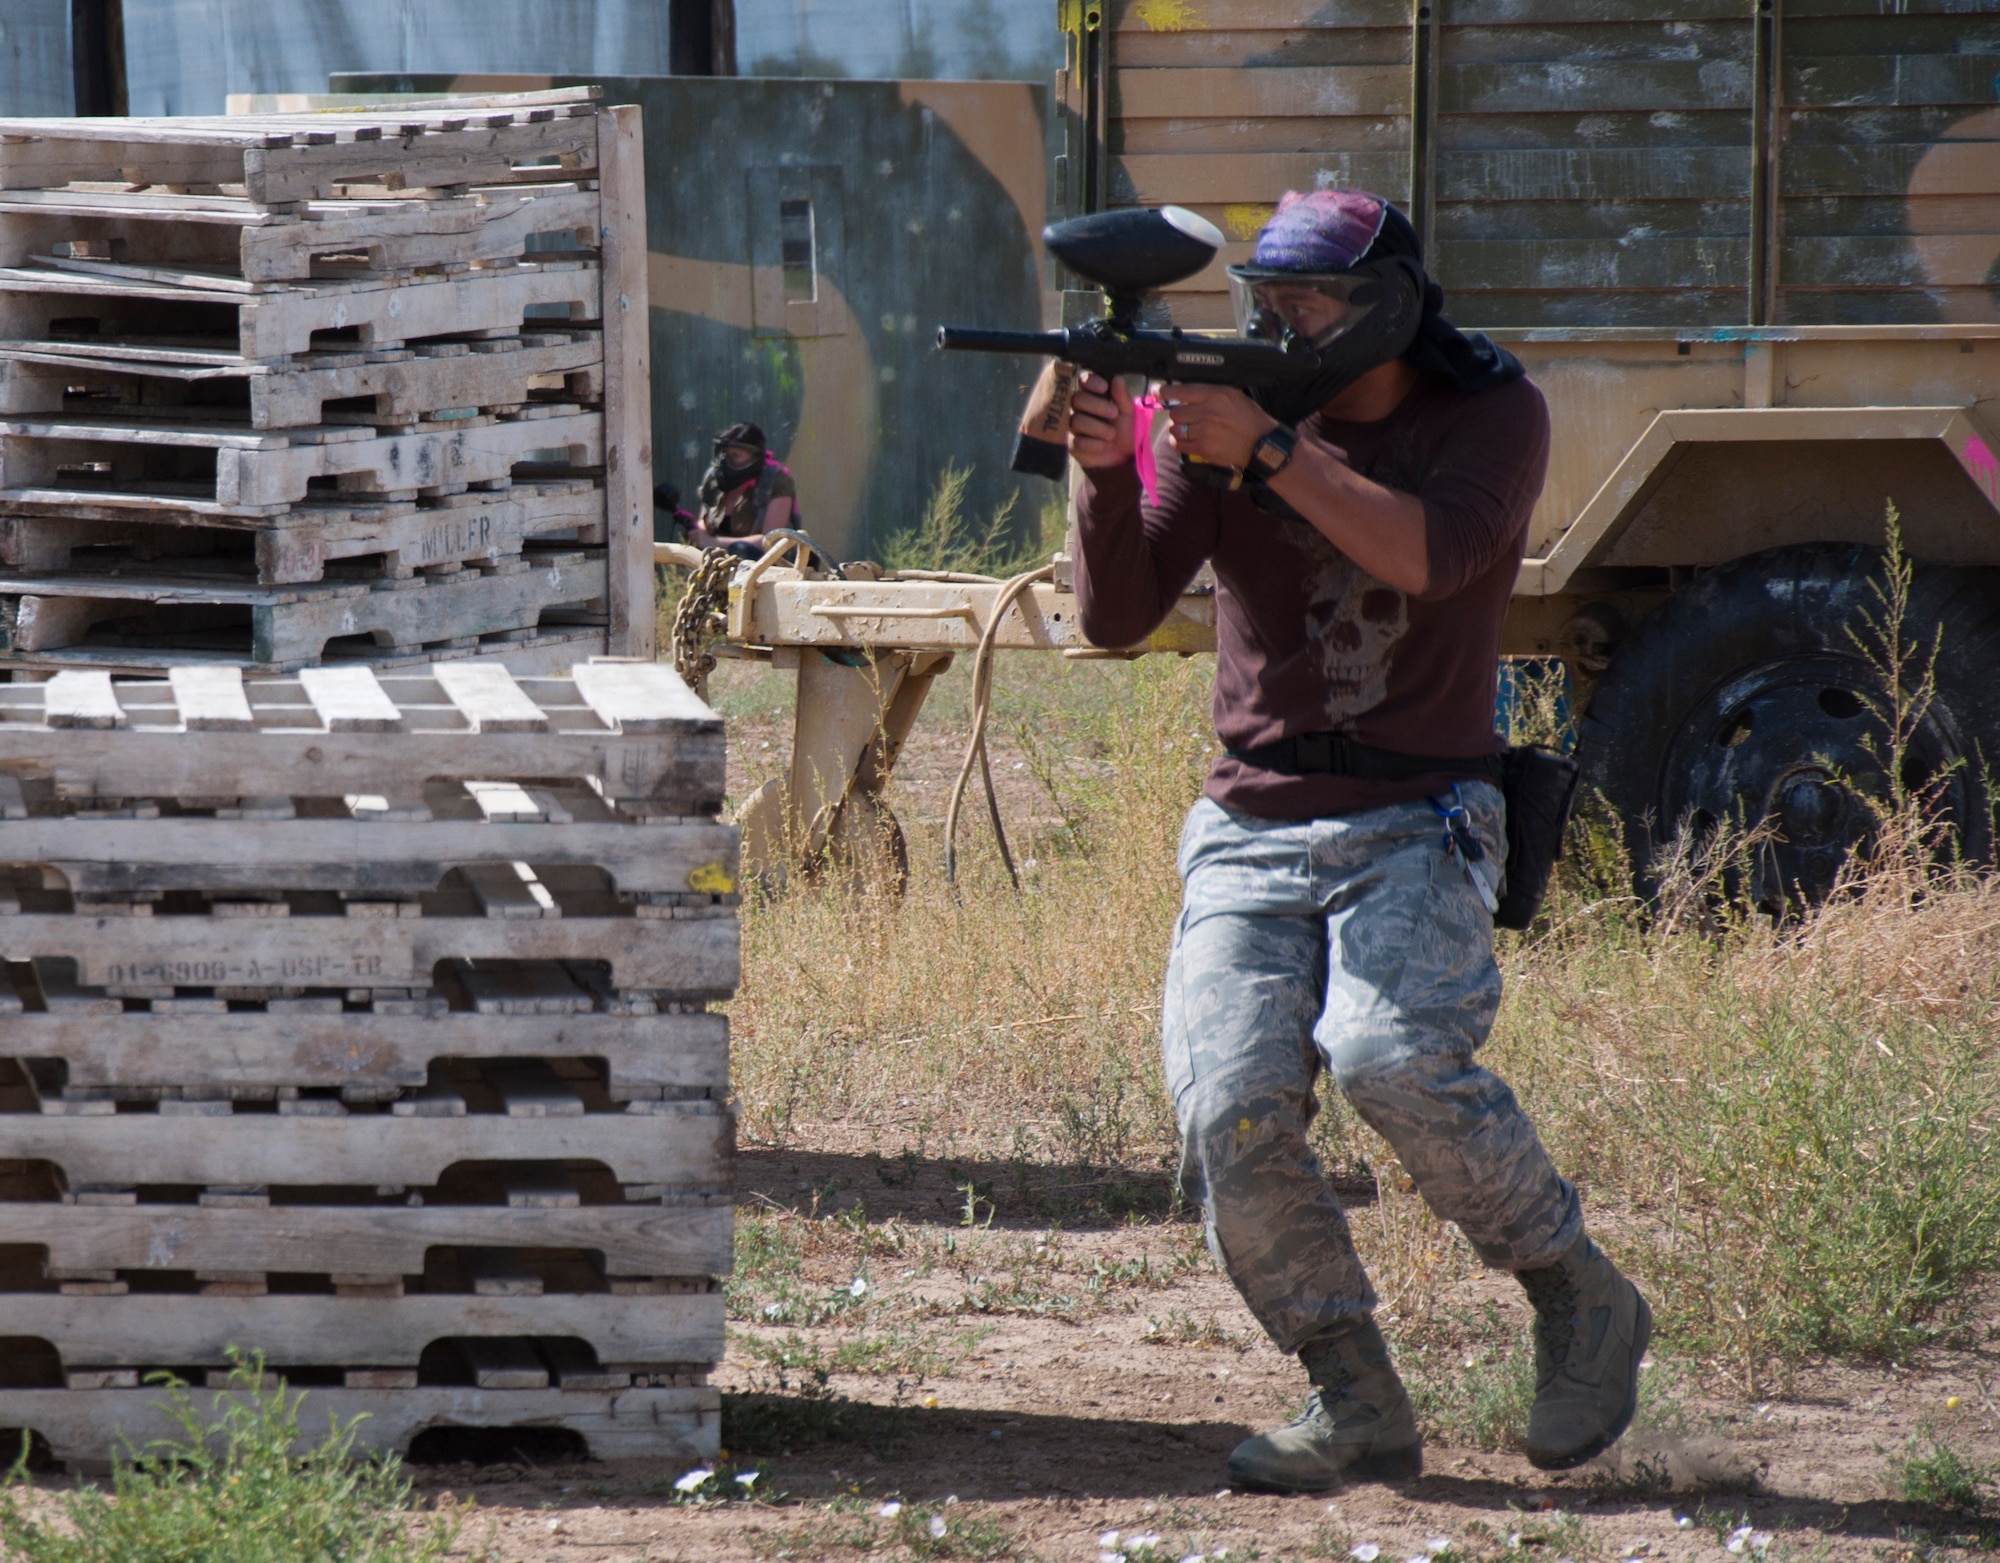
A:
(1359, 945)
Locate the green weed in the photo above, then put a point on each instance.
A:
(1477, 1398)
(1928, 1470)
(946, 538)
(228, 1487)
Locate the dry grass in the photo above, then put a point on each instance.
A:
(1787, 1131)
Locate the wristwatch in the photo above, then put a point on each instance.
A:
(1269, 456)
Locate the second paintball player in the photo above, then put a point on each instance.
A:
(745, 493)
(1341, 868)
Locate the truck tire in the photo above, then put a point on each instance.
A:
(1744, 697)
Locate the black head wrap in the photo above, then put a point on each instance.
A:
(1469, 359)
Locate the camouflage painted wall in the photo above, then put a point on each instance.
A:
(34, 57)
(919, 202)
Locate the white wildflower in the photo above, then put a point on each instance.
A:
(937, 1527)
(857, 1287)
(890, 1510)
(1367, 1552)
(693, 1479)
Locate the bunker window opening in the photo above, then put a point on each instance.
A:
(795, 237)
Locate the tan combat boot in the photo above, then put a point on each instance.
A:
(1591, 1330)
(1357, 1425)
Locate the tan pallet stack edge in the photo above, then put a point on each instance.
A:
(365, 1022)
(364, 386)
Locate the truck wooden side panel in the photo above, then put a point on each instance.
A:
(1608, 163)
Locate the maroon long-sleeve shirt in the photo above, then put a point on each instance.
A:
(1307, 641)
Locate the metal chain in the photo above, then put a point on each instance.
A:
(700, 618)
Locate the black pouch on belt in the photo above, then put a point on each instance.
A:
(1540, 788)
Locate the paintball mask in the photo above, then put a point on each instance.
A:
(1319, 277)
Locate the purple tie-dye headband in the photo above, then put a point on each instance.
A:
(1320, 230)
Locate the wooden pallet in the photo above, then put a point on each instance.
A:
(694, 958)
(406, 276)
(220, 239)
(527, 652)
(401, 386)
(141, 321)
(385, 539)
(689, 1236)
(673, 1425)
(284, 627)
(676, 1147)
(653, 747)
(268, 849)
(320, 1043)
(152, 1329)
(281, 160)
(212, 470)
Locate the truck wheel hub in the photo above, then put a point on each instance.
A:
(1796, 743)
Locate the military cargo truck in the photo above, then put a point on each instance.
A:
(1748, 249)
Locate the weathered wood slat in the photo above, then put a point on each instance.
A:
(211, 699)
(291, 626)
(350, 700)
(1244, 137)
(637, 697)
(294, 546)
(628, 426)
(504, 1364)
(356, 856)
(81, 699)
(1719, 262)
(695, 956)
(495, 225)
(280, 322)
(1601, 222)
(1970, 168)
(280, 173)
(673, 772)
(526, 651)
(1210, 178)
(1889, 79)
(1282, 44)
(1680, 309)
(264, 477)
(1877, 261)
(671, 1425)
(688, 1146)
(1529, 13)
(405, 385)
(153, 1329)
(1316, 92)
(1592, 174)
(1647, 86)
(1140, 17)
(1590, 42)
(490, 700)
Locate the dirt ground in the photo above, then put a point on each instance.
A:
(1058, 1428)
(1042, 1379)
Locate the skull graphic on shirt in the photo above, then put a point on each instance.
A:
(1355, 622)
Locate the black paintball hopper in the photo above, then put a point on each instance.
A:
(1136, 249)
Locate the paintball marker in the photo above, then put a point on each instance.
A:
(1128, 253)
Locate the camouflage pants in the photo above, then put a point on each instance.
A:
(1358, 945)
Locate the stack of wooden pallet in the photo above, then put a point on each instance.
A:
(362, 386)
(364, 1022)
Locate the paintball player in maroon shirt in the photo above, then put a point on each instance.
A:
(1343, 864)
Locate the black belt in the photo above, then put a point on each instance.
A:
(1336, 754)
